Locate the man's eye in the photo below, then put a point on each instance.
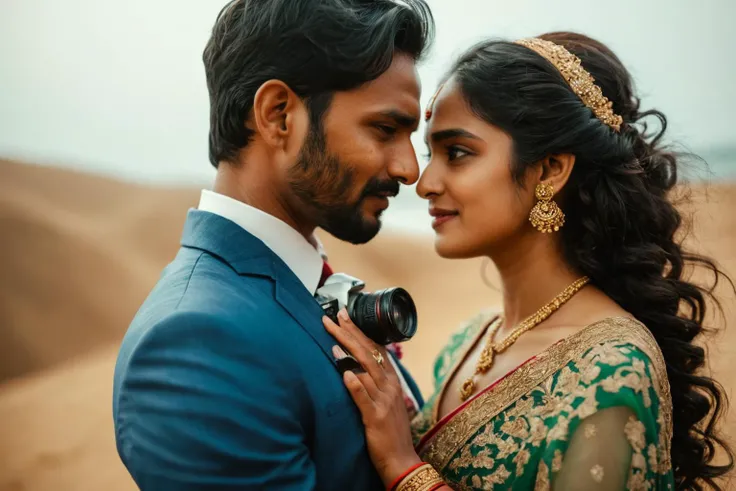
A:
(386, 129)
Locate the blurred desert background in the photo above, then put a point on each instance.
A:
(79, 253)
(103, 135)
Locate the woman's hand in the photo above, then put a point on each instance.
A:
(377, 393)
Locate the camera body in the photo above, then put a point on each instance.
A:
(386, 316)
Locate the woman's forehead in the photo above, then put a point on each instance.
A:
(449, 109)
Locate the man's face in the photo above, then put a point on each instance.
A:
(352, 164)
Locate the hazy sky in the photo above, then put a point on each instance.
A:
(118, 87)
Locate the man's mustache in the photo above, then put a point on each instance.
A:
(376, 187)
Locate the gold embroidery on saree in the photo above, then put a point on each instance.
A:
(589, 404)
(635, 434)
(597, 473)
(638, 482)
(653, 461)
(663, 446)
(557, 461)
(521, 459)
(559, 430)
(538, 431)
(518, 428)
(542, 482)
(482, 460)
(634, 431)
(500, 476)
(476, 481)
(505, 446)
(590, 431)
(525, 421)
(522, 408)
(633, 377)
(465, 338)
(478, 329)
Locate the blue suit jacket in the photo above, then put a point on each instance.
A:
(225, 379)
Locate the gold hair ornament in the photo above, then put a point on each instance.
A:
(578, 78)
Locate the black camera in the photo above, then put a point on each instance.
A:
(385, 316)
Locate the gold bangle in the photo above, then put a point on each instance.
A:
(422, 478)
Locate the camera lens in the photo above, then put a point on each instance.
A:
(386, 316)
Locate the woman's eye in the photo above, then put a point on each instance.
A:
(454, 153)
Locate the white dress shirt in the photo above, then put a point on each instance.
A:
(297, 252)
(299, 255)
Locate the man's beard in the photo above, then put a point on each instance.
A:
(323, 184)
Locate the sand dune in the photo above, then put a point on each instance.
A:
(79, 253)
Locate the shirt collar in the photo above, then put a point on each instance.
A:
(304, 260)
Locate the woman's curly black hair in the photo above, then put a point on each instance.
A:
(622, 228)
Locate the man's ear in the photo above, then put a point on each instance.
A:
(555, 170)
(276, 114)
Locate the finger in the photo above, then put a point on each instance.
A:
(389, 367)
(347, 338)
(358, 392)
(348, 328)
(342, 335)
(365, 378)
(347, 323)
(359, 352)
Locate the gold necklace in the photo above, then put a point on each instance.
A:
(485, 361)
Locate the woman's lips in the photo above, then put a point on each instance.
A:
(441, 217)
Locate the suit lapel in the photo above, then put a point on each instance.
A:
(303, 308)
(247, 255)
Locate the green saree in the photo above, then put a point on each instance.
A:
(592, 412)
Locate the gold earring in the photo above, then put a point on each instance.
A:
(546, 216)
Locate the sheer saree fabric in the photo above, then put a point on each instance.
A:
(592, 412)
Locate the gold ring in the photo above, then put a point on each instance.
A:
(378, 357)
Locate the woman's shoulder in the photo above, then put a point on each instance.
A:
(620, 356)
(613, 341)
(474, 324)
(623, 335)
(461, 337)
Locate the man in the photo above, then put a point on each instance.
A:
(226, 379)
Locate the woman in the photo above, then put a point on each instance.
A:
(588, 378)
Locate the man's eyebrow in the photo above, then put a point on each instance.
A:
(401, 118)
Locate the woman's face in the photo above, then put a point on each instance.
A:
(478, 206)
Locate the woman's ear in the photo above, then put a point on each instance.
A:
(556, 170)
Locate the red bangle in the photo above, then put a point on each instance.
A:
(436, 486)
(403, 475)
